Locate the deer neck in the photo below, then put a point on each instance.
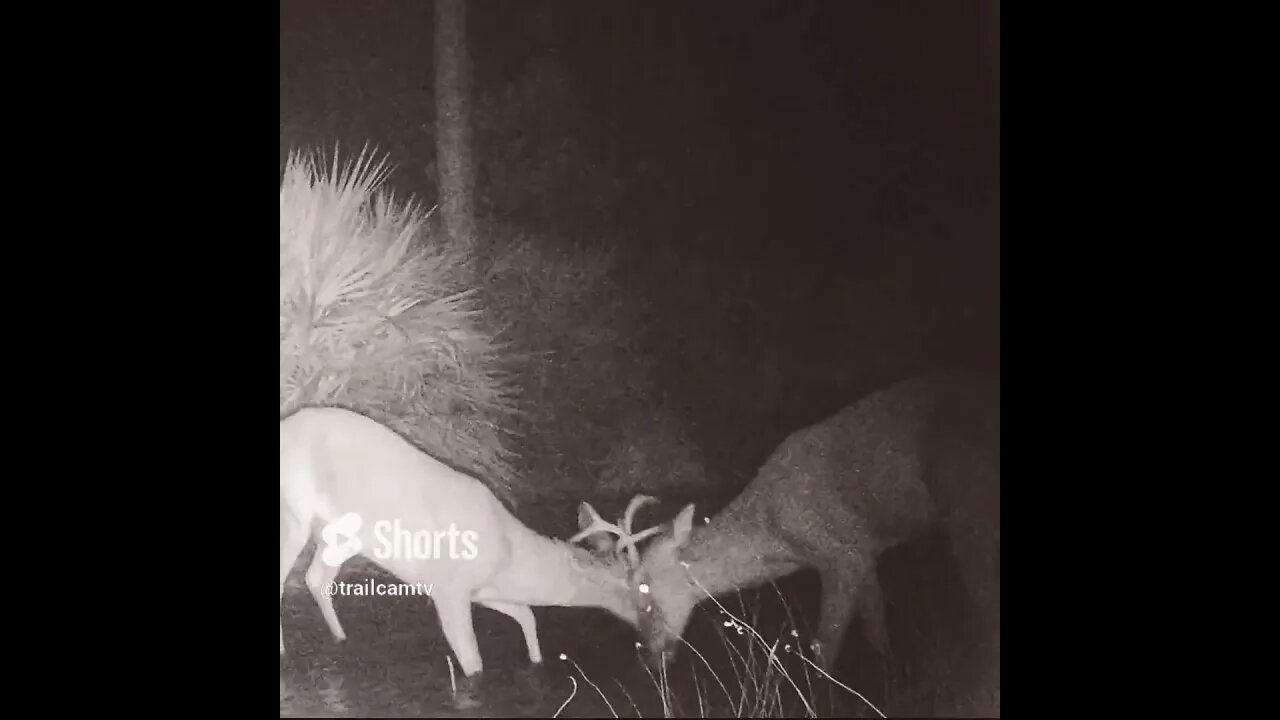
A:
(549, 572)
(738, 549)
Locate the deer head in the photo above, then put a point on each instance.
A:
(662, 591)
(665, 594)
(619, 544)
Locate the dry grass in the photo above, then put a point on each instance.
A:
(377, 315)
(520, 359)
(750, 673)
(554, 379)
(750, 666)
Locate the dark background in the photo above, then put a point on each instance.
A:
(805, 193)
(828, 122)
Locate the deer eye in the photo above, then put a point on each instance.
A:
(644, 588)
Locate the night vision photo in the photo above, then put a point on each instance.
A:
(640, 359)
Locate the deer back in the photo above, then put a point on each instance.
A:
(335, 462)
(879, 458)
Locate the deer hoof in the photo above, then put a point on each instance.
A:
(535, 678)
(467, 695)
(464, 701)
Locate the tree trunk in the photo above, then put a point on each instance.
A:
(989, 15)
(453, 120)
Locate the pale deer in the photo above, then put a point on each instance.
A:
(334, 462)
(833, 497)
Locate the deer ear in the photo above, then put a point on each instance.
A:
(682, 525)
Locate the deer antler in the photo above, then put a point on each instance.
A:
(625, 537)
(632, 507)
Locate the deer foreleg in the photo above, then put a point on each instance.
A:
(528, 625)
(871, 608)
(838, 588)
(455, 620)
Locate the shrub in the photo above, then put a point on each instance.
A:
(377, 315)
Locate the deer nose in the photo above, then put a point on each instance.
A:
(654, 660)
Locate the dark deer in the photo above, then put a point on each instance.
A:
(833, 497)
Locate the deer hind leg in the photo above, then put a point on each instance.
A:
(319, 578)
(523, 615)
(293, 538)
(455, 620)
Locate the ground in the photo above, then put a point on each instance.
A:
(394, 661)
